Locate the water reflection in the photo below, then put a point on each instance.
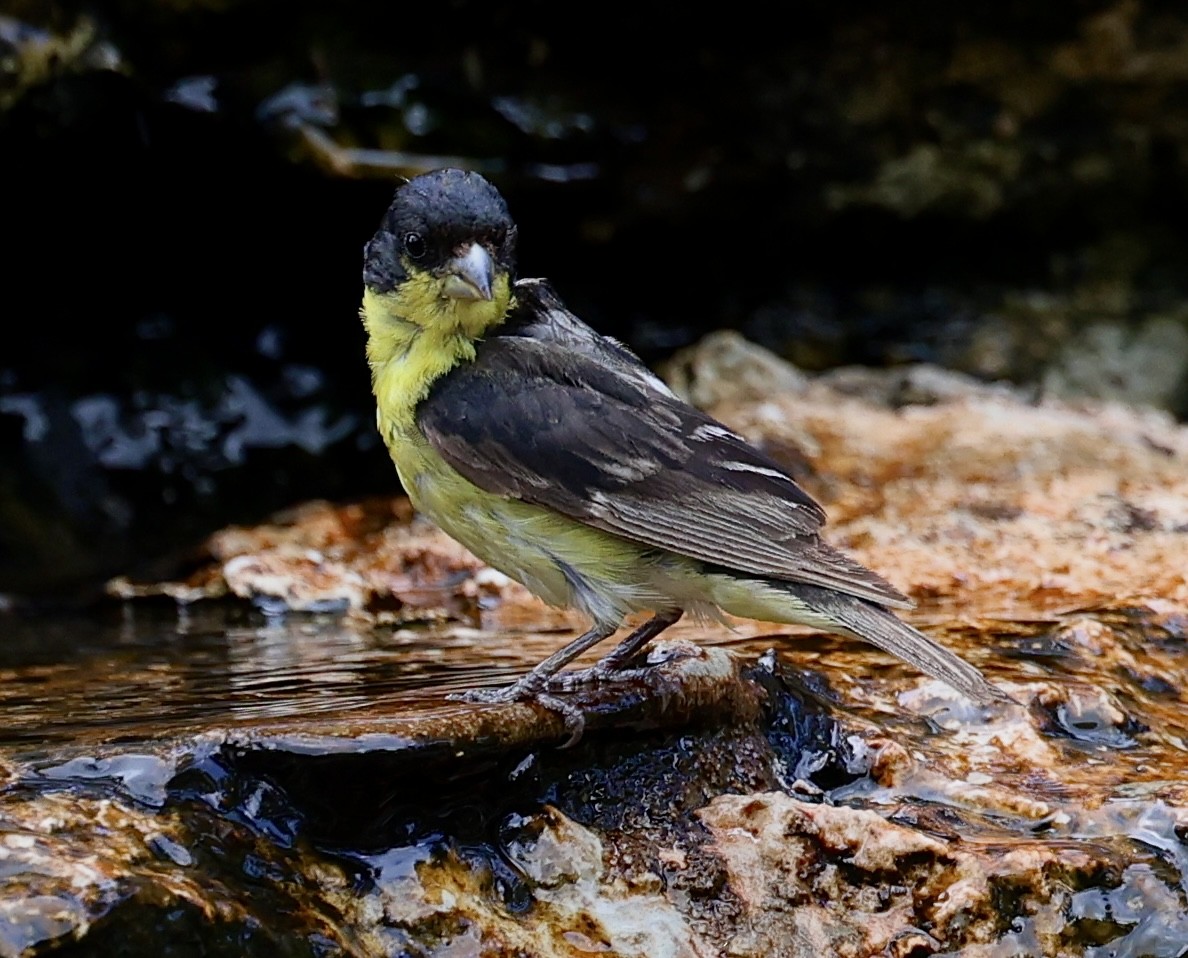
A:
(146, 673)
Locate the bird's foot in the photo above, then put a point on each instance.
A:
(531, 688)
(619, 667)
(602, 673)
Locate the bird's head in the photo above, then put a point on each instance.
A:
(443, 257)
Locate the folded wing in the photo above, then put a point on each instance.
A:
(585, 431)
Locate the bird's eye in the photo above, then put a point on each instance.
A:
(414, 245)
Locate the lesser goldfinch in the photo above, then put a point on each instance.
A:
(554, 455)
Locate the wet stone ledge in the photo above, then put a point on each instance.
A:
(707, 811)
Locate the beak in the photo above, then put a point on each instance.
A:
(470, 275)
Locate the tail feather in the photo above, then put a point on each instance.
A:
(884, 629)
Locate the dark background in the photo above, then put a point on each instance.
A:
(999, 189)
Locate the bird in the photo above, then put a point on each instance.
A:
(557, 457)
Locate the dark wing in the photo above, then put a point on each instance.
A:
(539, 314)
(586, 434)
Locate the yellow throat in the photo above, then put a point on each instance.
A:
(415, 333)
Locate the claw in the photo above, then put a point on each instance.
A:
(574, 718)
(529, 689)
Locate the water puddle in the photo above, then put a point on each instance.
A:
(150, 673)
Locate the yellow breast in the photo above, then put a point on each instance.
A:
(564, 561)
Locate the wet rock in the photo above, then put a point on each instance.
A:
(431, 830)
(692, 820)
(957, 488)
(370, 559)
(798, 795)
(104, 876)
(819, 879)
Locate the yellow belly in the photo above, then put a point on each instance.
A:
(561, 560)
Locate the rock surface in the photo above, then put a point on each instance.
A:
(292, 782)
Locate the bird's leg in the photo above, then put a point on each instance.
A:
(626, 650)
(610, 666)
(534, 687)
(542, 680)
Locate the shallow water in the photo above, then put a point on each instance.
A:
(146, 671)
(143, 674)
